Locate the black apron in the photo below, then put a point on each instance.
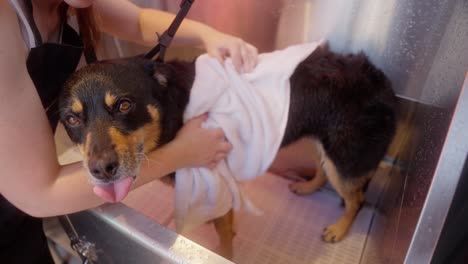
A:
(22, 239)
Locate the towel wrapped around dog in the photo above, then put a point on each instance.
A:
(252, 109)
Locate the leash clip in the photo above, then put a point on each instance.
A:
(165, 39)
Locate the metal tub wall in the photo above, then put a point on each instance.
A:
(114, 234)
(420, 45)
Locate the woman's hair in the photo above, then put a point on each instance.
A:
(88, 27)
(87, 24)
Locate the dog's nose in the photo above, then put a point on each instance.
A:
(103, 169)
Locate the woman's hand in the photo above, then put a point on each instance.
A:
(200, 147)
(220, 46)
(127, 21)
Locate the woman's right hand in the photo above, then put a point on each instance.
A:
(200, 147)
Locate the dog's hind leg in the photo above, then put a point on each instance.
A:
(353, 196)
(316, 156)
(310, 186)
(302, 160)
(224, 226)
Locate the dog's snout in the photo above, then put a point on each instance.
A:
(104, 168)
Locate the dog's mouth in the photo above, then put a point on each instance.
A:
(112, 171)
(115, 191)
(116, 186)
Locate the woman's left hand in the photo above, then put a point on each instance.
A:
(221, 46)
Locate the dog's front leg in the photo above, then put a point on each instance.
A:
(224, 226)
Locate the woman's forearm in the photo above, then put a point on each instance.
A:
(190, 32)
(125, 20)
(71, 191)
(130, 22)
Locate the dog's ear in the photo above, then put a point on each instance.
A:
(163, 73)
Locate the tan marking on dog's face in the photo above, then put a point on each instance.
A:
(109, 99)
(84, 148)
(76, 106)
(119, 140)
(130, 148)
(152, 130)
(148, 135)
(127, 151)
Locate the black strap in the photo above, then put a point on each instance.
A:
(90, 55)
(165, 39)
(30, 17)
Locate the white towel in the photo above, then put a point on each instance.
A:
(252, 109)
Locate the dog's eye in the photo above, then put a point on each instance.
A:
(73, 120)
(124, 105)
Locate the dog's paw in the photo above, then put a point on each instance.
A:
(334, 233)
(300, 188)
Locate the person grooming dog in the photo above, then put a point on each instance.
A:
(39, 50)
(338, 109)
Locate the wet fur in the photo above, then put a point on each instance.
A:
(347, 104)
(342, 104)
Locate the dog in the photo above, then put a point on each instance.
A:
(342, 115)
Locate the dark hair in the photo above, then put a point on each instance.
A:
(88, 27)
(87, 24)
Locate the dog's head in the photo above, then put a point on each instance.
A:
(112, 111)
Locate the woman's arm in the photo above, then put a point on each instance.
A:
(127, 21)
(30, 176)
(28, 164)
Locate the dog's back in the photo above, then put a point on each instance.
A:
(347, 104)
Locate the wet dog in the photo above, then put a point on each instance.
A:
(341, 112)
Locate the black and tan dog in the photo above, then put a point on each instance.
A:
(341, 115)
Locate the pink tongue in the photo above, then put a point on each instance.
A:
(114, 192)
